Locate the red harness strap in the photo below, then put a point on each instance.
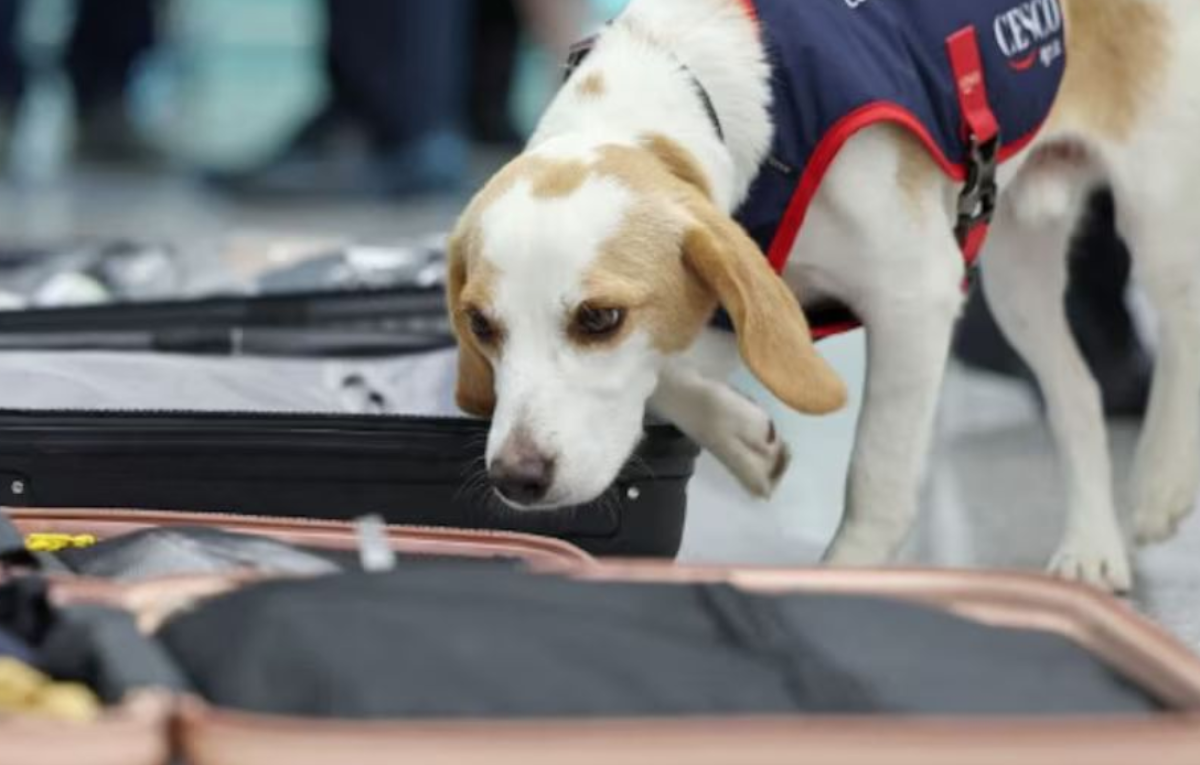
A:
(978, 199)
(972, 88)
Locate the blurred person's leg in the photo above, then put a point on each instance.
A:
(397, 71)
(1099, 314)
(496, 45)
(12, 69)
(553, 25)
(107, 42)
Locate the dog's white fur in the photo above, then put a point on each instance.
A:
(888, 254)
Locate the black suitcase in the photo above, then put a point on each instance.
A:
(411, 471)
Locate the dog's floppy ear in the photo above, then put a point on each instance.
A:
(476, 390)
(773, 334)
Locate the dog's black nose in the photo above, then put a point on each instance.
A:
(523, 477)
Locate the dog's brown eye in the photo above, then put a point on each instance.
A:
(482, 327)
(594, 323)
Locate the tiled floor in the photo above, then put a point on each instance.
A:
(994, 497)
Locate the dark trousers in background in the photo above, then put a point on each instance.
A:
(12, 72)
(495, 41)
(108, 40)
(400, 67)
(105, 44)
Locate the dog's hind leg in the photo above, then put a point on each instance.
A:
(1165, 244)
(1025, 278)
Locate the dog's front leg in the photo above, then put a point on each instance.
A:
(692, 395)
(908, 344)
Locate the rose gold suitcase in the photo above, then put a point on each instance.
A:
(1107, 629)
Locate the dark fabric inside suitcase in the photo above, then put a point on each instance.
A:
(434, 640)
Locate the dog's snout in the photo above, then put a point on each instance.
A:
(522, 473)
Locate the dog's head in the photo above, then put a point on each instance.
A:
(573, 281)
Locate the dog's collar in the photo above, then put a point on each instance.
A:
(582, 49)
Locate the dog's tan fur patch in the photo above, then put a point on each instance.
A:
(478, 290)
(554, 179)
(773, 335)
(640, 269)
(678, 161)
(1117, 54)
(469, 280)
(592, 86)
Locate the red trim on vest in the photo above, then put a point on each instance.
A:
(827, 151)
(832, 143)
(748, 7)
(834, 330)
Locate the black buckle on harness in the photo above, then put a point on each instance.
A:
(977, 202)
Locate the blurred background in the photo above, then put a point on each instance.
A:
(244, 136)
(203, 120)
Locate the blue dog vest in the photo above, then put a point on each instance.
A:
(974, 80)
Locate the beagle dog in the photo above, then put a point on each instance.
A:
(585, 276)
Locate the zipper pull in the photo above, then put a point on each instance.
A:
(374, 550)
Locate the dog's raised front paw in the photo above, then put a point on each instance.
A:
(1162, 505)
(745, 440)
(1099, 560)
